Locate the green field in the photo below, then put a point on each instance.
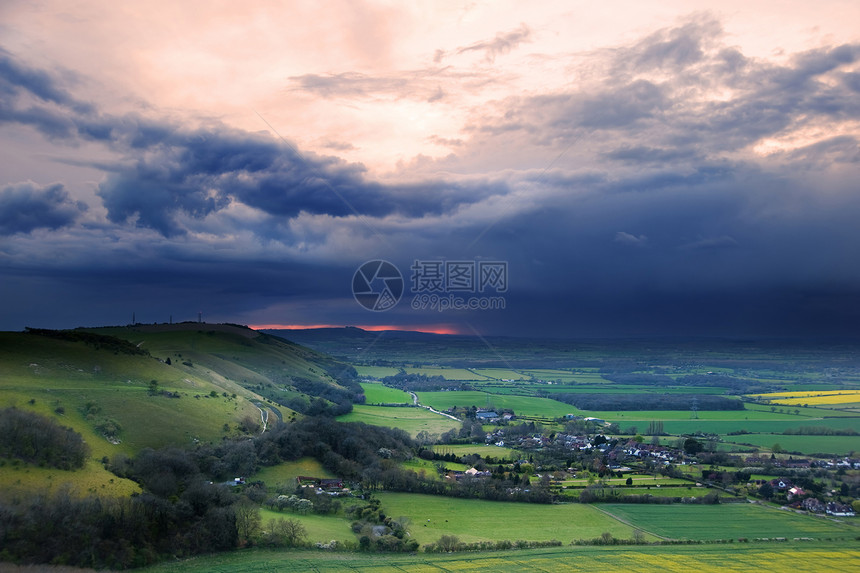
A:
(837, 445)
(376, 371)
(478, 520)
(322, 528)
(706, 415)
(379, 394)
(500, 373)
(726, 426)
(727, 521)
(429, 467)
(412, 420)
(521, 405)
(20, 479)
(447, 373)
(738, 557)
(287, 473)
(481, 450)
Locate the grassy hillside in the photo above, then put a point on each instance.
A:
(128, 388)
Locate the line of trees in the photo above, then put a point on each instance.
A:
(416, 382)
(97, 341)
(117, 533)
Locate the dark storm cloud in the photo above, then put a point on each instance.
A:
(168, 171)
(25, 207)
(16, 78)
(203, 172)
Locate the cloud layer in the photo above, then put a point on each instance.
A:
(666, 184)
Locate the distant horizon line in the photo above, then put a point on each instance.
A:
(427, 329)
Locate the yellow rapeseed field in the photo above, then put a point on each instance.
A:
(815, 398)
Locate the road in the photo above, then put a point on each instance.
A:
(416, 403)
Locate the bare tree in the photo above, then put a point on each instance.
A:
(248, 521)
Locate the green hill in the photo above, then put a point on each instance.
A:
(148, 386)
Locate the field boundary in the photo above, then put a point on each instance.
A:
(625, 522)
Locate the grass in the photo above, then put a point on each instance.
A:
(21, 479)
(837, 445)
(707, 415)
(320, 527)
(500, 373)
(521, 405)
(478, 520)
(482, 450)
(287, 472)
(429, 467)
(412, 420)
(726, 521)
(638, 480)
(376, 371)
(447, 373)
(741, 557)
(379, 394)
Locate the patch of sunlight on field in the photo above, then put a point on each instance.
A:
(376, 393)
(473, 520)
(501, 374)
(447, 373)
(412, 420)
(287, 472)
(93, 478)
(376, 371)
(322, 528)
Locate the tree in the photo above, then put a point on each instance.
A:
(248, 521)
(293, 531)
(448, 543)
(692, 446)
(766, 490)
(629, 481)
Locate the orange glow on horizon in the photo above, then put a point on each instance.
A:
(428, 328)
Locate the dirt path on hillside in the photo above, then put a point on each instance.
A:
(264, 416)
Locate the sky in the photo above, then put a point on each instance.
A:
(560, 169)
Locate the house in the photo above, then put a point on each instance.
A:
(795, 492)
(837, 509)
(781, 484)
(486, 416)
(472, 472)
(813, 505)
(321, 483)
